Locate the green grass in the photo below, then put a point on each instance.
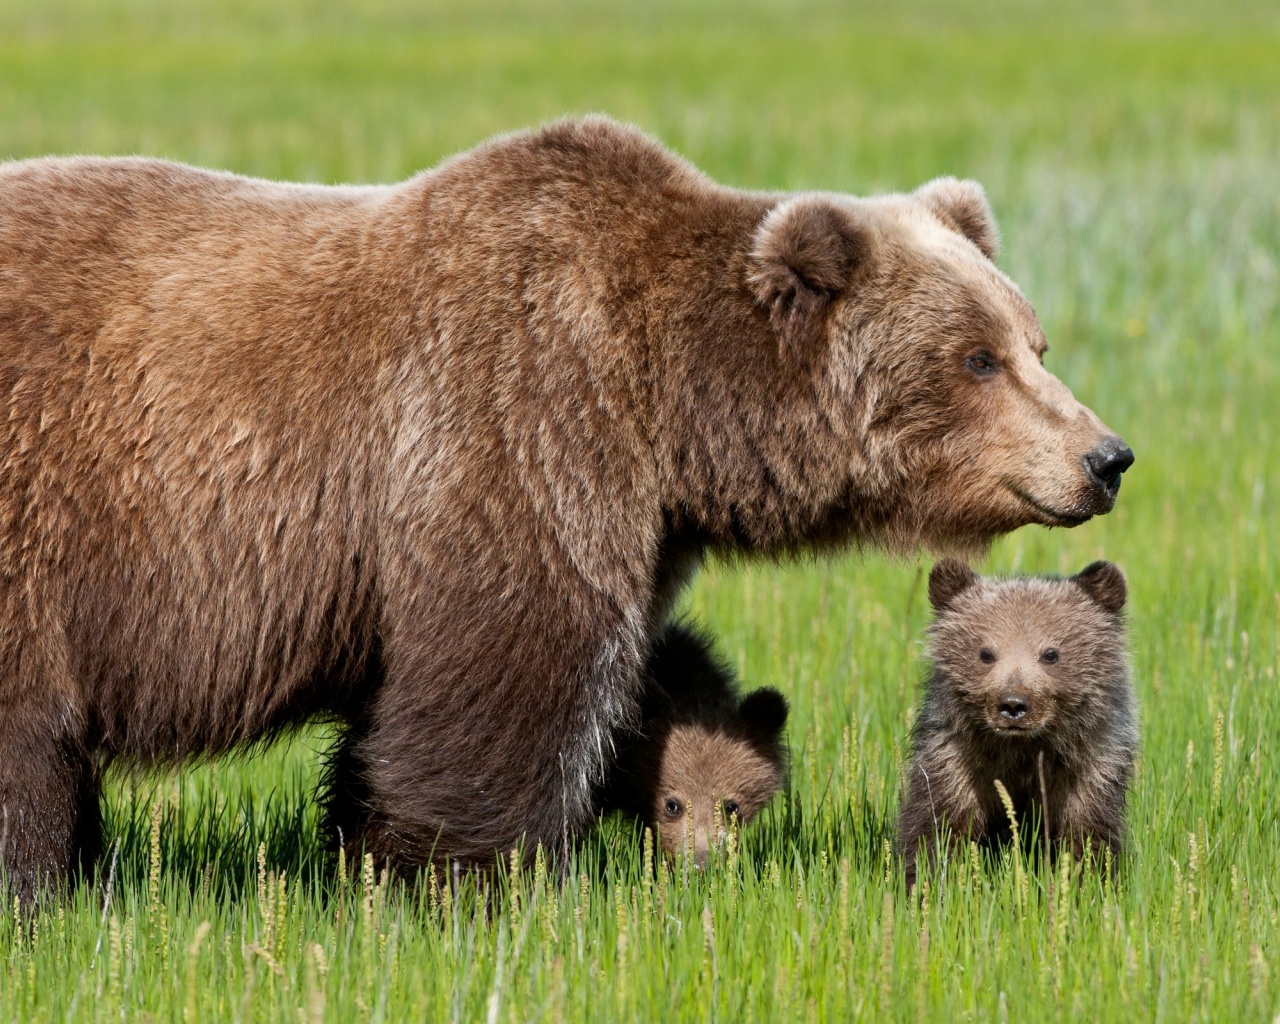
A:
(1130, 151)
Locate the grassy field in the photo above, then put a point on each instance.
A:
(1131, 154)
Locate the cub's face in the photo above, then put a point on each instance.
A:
(933, 366)
(1029, 658)
(706, 780)
(710, 774)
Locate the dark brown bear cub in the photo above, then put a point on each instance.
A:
(1030, 687)
(702, 755)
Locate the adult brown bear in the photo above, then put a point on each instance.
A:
(436, 459)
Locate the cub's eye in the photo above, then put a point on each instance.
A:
(673, 807)
(987, 655)
(982, 364)
(1049, 655)
(730, 808)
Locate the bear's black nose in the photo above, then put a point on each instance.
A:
(1013, 706)
(1107, 462)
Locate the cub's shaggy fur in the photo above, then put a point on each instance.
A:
(1030, 686)
(702, 754)
(435, 459)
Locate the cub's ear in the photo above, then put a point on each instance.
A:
(1105, 584)
(963, 207)
(805, 253)
(764, 713)
(948, 580)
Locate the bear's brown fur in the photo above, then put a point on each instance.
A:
(435, 459)
(702, 754)
(1030, 686)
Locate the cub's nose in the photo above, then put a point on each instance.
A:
(1013, 706)
(701, 851)
(1106, 463)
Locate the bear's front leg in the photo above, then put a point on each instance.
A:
(493, 723)
(50, 822)
(1092, 815)
(939, 797)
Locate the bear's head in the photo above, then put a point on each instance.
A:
(1030, 658)
(943, 426)
(706, 774)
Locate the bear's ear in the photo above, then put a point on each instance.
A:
(963, 207)
(948, 580)
(805, 253)
(1105, 584)
(764, 713)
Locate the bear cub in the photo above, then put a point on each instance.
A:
(701, 755)
(1030, 686)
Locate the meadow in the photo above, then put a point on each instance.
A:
(1131, 155)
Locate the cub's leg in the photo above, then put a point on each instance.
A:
(938, 796)
(1092, 814)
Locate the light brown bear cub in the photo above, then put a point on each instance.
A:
(1030, 686)
(702, 755)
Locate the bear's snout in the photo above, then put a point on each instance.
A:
(1105, 465)
(1014, 706)
(693, 842)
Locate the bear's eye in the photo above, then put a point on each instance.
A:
(1049, 655)
(730, 808)
(987, 655)
(983, 364)
(673, 807)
